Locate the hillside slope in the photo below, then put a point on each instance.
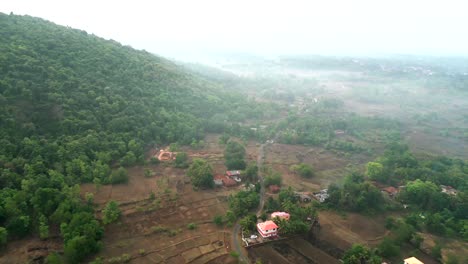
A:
(72, 104)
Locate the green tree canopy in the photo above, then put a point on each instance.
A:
(201, 173)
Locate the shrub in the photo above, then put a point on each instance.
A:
(218, 220)
(119, 176)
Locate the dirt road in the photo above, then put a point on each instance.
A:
(243, 256)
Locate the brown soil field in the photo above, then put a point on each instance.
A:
(328, 166)
(156, 231)
(343, 231)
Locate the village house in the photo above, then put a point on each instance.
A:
(222, 180)
(267, 229)
(218, 180)
(234, 174)
(280, 215)
(413, 260)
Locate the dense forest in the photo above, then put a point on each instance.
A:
(73, 107)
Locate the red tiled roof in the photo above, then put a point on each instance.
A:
(229, 182)
(267, 225)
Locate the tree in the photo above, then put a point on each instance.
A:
(359, 254)
(218, 220)
(201, 174)
(181, 160)
(375, 171)
(43, 227)
(273, 178)
(129, 159)
(389, 248)
(234, 155)
(251, 172)
(223, 139)
(249, 222)
(111, 212)
(304, 170)
(148, 173)
(119, 176)
(3, 236)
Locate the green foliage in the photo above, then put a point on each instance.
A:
(234, 154)
(181, 160)
(119, 176)
(72, 104)
(436, 251)
(148, 173)
(201, 174)
(374, 171)
(389, 248)
(54, 258)
(359, 254)
(452, 259)
(218, 220)
(111, 212)
(356, 195)
(81, 236)
(3, 236)
(43, 227)
(224, 138)
(251, 172)
(192, 226)
(129, 159)
(242, 202)
(249, 222)
(273, 178)
(304, 170)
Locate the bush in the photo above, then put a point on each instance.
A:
(111, 212)
(119, 176)
(304, 170)
(3, 236)
(181, 160)
(154, 161)
(218, 220)
(148, 173)
(389, 248)
(191, 226)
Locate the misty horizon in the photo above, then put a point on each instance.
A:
(182, 30)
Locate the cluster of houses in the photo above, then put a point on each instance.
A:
(229, 179)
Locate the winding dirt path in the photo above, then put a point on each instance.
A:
(237, 247)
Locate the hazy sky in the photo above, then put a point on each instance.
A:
(175, 27)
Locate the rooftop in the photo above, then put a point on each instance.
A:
(233, 173)
(413, 260)
(267, 225)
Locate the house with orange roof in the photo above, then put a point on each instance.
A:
(267, 229)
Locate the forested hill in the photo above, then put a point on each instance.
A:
(72, 104)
